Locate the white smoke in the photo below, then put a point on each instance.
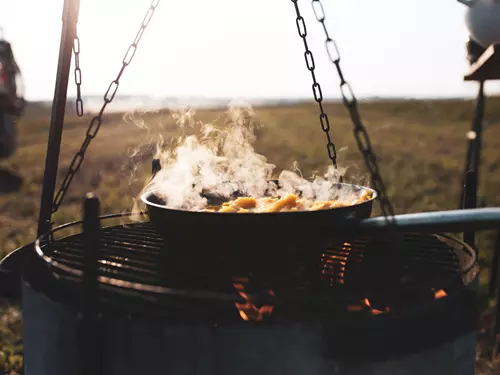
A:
(222, 161)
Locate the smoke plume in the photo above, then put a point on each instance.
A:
(222, 160)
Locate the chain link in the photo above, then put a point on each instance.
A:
(96, 121)
(318, 94)
(351, 103)
(78, 75)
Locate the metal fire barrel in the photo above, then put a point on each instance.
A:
(152, 346)
(145, 333)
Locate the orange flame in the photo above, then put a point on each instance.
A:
(365, 304)
(366, 301)
(440, 294)
(248, 310)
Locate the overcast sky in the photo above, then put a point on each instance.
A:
(248, 48)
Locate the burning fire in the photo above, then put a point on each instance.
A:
(222, 160)
(248, 310)
(366, 305)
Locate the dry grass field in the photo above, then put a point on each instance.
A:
(421, 147)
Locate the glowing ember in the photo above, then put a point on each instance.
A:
(374, 311)
(440, 294)
(366, 305)
(248, 310)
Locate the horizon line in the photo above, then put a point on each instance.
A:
(257, 98)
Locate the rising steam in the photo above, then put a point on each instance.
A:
(222, 160)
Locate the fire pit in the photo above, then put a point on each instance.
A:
(380, 296)
(358, 313)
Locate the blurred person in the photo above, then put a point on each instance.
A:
(11, 99)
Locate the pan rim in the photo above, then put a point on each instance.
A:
(149, 193)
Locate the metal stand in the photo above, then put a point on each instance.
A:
(485, 66)
(70, 19)
(469, 202)
(472, 163)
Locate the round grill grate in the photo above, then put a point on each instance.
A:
(137, 272)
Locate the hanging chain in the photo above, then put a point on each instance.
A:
(96, 122)
(318, 94)
(78, 75)
(351, 103)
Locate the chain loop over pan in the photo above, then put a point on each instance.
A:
(317, 92)
(96, 121)
(351, 103)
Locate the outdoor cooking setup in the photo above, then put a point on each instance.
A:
(314, 292)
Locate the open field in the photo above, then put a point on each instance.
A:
(421, 147)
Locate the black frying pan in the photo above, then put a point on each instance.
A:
(249, 227)
(334, 220)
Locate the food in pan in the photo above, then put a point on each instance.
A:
(287, 203)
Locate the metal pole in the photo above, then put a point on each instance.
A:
(478, 129)
(473, 159)
(472, 163)
(470, 201)
(68, 32)
(88, 330)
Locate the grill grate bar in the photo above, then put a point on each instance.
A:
(107, 246)
(139, 242)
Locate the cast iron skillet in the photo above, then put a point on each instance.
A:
(246, 228)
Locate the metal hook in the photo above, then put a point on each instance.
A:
(156, 166)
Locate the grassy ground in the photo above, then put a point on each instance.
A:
(421, 147)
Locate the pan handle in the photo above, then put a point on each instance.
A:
(475, 219)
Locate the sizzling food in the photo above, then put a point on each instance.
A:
(288, 203)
